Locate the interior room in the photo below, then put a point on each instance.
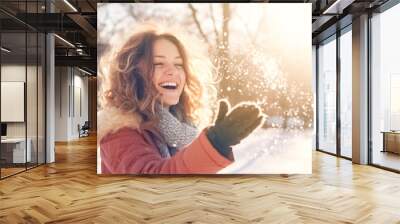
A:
(49, 140)
(22, 100)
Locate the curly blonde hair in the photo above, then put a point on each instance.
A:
(126, 78)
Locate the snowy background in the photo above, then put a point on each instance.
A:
(273, 151)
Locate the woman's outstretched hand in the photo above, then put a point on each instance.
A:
(230, 128)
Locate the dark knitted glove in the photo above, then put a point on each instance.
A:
(230, 128)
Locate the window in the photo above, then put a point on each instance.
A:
(385, 84)
(327, 95)
(346, 92)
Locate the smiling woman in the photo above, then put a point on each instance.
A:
(169, 75)
(153, 102)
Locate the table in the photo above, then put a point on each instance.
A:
(391, 141)
(13, 150)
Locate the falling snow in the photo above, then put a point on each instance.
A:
(253, 75)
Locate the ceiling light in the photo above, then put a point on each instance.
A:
(84, 71)
(64, 40)
(5, 50)
(70, 5)
(338, 6)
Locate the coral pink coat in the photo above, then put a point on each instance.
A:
(125, 150)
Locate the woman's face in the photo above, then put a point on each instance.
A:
(169, 75)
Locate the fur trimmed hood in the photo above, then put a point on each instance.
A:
(110, 120)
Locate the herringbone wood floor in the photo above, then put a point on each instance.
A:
(69, 191)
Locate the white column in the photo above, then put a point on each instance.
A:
(50, 93)
(360, 90)
(50, 110)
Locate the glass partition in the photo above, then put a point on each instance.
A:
(22, 89)
(13, 95)
(31, 97)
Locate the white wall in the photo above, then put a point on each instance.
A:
(16, 73)
(61, 103)
(70, 83)
(79, 117)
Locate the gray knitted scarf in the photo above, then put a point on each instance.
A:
(175, 131)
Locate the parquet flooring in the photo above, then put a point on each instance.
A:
(69, 191)
(9, 171)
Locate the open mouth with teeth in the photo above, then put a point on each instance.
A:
(169, 85)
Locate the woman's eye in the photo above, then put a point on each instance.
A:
(158, 64)
(179, 65)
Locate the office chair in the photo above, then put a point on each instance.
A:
(84, 130)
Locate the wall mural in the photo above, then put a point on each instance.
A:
(215, 88)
